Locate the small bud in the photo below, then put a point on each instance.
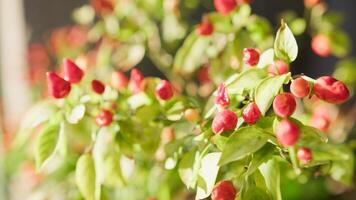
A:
(331, 90)
(287, 133)
(304, 154)
(279, 67)
(97, 86)
(104, 118)
(103, 6)
(203, 75)
(118, 80)
(191, 115)
(72, 73)
(224, 190)
(222, 98)
(251, 113)
(225, 120)
(167, 135)
(164, 90)
(284, 104)
(251, 56)
(57, 86)
(205, 28)
(136, 79)
(321, 46)
(225, 6)
(300, 88)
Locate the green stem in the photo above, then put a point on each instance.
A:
(293, 158)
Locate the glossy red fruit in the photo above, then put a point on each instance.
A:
(284, 104)
(222, 98)
(97, 86)
(224, 190)
(311, 3)
(104, 118)
(225, 6)
(304, 154)
(225, 120)
(136, 79)
(300, 87)
(331, 90)
(251, 113)
(205, 28)
(57, 86)
(287, 133)
(321, 46)
(119, 80)
(164, 90)
(251, 56)
(72, 73)
(279, 67)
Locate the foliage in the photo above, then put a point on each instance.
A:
(153, 147)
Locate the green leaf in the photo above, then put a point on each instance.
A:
(246, 80)
(76, 114)
(139, 100)
(343, 170)
(174, 110)
(266, 58)
(220, 141)
(309, 133)
(190, 56)
(340, 43)
(345, 71)
(173, 29)
(259, 157)
(46, 144)
(188, 168)
(243, 142)
(208, 173)
(240, 16)
(298, 26)
(37, 115)
(271, 173)
(267, 89)
(62, 146)
(84, 15)
(222, 23)
(129, 55)
(107, 159)
(254, 193)
(259, 30)
(85, 176)
(285, 45)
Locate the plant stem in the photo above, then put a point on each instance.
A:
(293, 158)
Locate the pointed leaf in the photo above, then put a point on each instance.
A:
(243, 142)
(246, 80)
(85, 176)
(46, 144)
(271, 173)
(267, 89)
(285, 45)
(208, 173)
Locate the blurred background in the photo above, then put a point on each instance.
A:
(31, 21)
(27, 22)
